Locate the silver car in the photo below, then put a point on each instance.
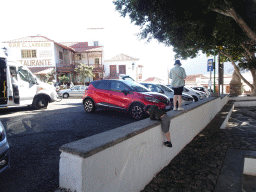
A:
(186, 99)
(4, 150)
(77, 90)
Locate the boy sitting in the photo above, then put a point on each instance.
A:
(157, 114)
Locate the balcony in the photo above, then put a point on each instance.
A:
(65, 68)
(96, 67)
(70, 68)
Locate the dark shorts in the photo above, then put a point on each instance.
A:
(165, 123)
(178, 90)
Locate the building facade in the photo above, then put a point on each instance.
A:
(43, 55)
(121, 65)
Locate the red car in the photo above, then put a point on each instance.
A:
(123, 95)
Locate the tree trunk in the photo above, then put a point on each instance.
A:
(253, 89)
(233, 14)
(238, 71)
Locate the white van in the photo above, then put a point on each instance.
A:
(19, 87)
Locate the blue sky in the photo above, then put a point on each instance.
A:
(65, 21)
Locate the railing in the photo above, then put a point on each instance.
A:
(64, 67)
(96, 67)
(134, 153)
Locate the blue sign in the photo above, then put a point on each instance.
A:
(210, 65)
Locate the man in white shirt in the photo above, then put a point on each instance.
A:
(178, 75)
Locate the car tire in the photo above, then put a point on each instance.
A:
(65, 95)
(195, 98)
(41, 102)
(89, 106)
(137, 111)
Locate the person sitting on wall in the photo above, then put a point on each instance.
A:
(157, 114)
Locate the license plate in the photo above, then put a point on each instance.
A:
(167, 107)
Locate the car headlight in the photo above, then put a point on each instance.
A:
(152, 99)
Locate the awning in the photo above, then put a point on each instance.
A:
(43, 72)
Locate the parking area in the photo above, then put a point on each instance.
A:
(35, 136)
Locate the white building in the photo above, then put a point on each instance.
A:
(42, 55)
(123, 65)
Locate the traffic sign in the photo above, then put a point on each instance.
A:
(210, 65)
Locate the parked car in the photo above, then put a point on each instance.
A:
(203, 89)
(195, 94)
(159, 88)
(77, 90)
(124, 95)
(4, 150)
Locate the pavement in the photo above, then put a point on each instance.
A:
(198, 166)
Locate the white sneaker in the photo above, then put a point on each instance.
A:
(174, 108)
(180, 109)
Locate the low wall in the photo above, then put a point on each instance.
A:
(128, 157)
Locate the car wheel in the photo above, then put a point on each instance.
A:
(89, 106)
(195, 98)
(41, 102)
(65, 95)
(137, 111)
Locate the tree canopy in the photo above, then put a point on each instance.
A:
(190, 26)
(199, 25)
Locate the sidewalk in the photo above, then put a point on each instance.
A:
(198, 165)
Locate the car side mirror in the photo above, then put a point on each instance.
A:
(161, 91)
(126, 92)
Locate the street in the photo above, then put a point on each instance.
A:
(36, 135)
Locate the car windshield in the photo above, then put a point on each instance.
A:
(136, 87)
(165, 88)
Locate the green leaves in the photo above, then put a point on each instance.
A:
(84, 71)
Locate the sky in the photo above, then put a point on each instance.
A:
(68, 21)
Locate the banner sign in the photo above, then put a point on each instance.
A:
(210, 65)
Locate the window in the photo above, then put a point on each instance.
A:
(122, 69)
(26, 76)
(28, 53)
(78, 57)
(60, 55)
(117, 86)
(95, 43)
(97, 61)
(104, 85)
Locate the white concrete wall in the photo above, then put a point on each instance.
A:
(127, 158)
(250, 166)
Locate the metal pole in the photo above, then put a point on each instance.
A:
(210, 81)
(219, 74)
(214, 73)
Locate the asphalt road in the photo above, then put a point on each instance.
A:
(36, 135)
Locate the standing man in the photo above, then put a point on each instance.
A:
(178, 75)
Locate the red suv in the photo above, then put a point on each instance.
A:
(123, 95)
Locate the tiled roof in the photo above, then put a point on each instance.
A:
(193, 77)
(82, 46)
(122, 57)
(37, 39)
(31, 39)
(153, 79)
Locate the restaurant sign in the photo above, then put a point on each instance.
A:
(37, 63)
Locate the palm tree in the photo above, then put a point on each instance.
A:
(64, 79)
(84, 71)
